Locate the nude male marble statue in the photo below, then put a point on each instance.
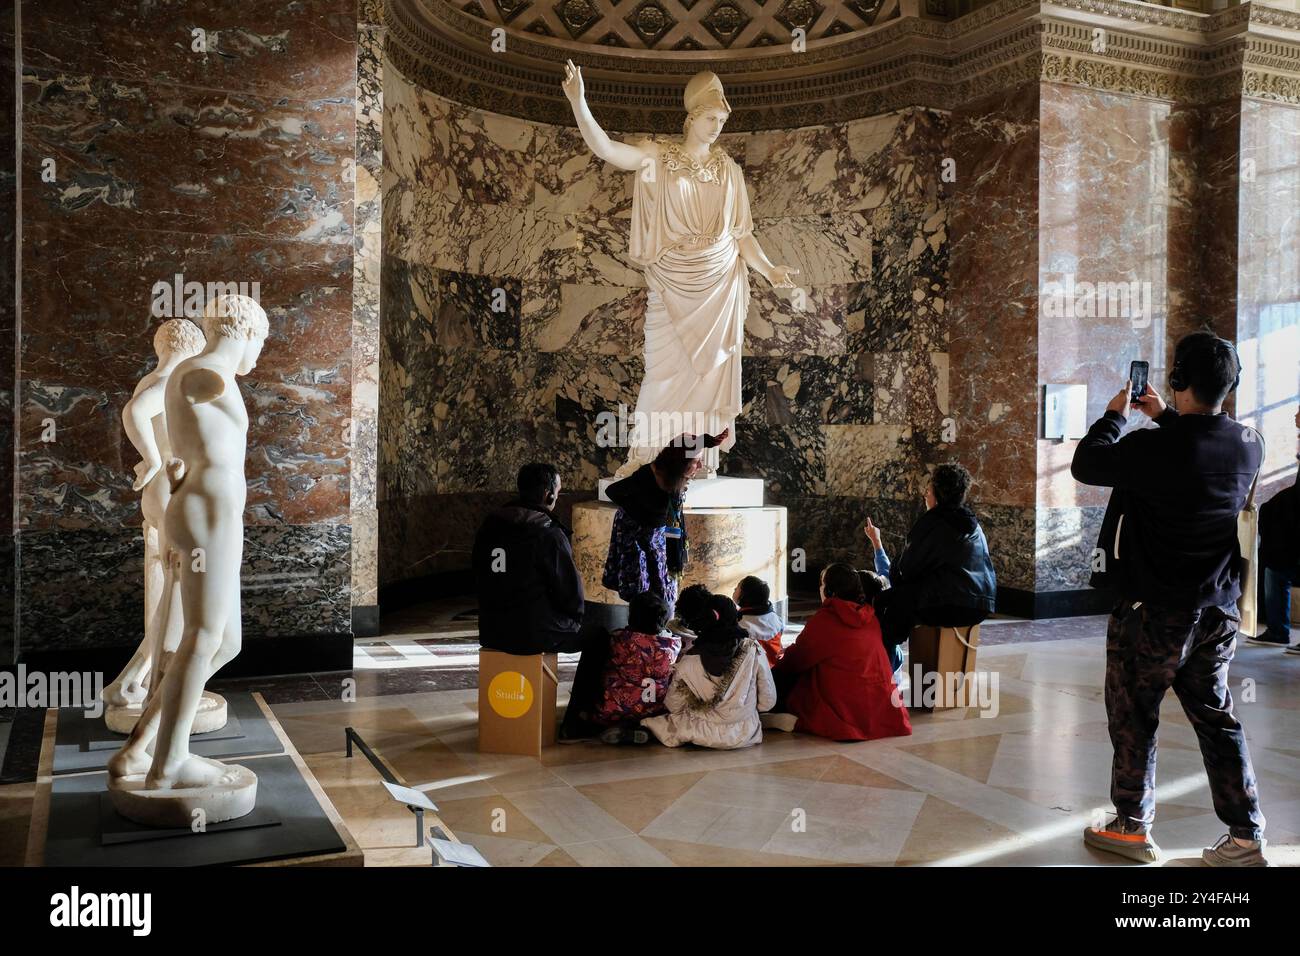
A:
(208, 426)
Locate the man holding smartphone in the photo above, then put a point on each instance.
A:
(1168, 548)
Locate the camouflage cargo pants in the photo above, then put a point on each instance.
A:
(1148, 651)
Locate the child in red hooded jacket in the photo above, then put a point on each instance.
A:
(836, 677)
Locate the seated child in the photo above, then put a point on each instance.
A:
(638, 670)
(690, 611)
(758, 617)
(839, 681)
(718, 687)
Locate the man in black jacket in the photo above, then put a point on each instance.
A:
(943, 576)
(1279, 557)
(529, 591)
(1168, 547)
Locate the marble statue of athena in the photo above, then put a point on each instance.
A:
(693, 235)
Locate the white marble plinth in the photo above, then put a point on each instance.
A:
(232, 796)
(726, 544)
(121, 718)
(719, 492)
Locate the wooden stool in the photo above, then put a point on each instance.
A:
(516, 702)
(948, 652)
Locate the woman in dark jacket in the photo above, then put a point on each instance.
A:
(647, 544)
(943, 577)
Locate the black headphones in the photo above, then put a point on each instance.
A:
(1177, 378)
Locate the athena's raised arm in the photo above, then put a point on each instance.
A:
(623, 155)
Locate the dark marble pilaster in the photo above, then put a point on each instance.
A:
(8, 327)
(81, 589)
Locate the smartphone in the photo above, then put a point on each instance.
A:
(1137, 373)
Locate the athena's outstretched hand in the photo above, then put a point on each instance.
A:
(572, 84)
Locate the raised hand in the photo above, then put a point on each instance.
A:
(572, 84)
(1150, 403)
(872, 533)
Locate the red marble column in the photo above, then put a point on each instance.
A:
(993, 344)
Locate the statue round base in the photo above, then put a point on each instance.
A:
(211, 715)
(234, 795)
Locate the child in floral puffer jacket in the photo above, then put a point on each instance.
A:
(639, 669)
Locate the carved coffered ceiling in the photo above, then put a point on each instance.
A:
(507, 56)
(683, 24)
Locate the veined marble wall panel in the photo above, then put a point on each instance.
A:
(1104, 199)
(475, 203)
(301, 50)
(8, 329)
(84, 349)
(1268, 284)
(85, 592)
(1198, 204)
(234, 165)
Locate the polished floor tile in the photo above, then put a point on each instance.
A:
(1010, 783)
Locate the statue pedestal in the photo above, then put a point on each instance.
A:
(727, 543)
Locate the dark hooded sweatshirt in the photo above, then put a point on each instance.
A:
(945, 562)
(1169, 536)
(529, 591)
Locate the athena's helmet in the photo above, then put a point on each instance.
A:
(703, 93)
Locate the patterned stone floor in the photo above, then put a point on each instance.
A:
(1011, 787)
(1014, 787)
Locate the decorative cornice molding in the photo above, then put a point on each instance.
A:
(1149, 51)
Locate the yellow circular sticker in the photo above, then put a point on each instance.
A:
(511, 694)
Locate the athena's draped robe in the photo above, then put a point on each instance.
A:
(687, 221)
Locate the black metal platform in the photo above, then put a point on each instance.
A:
(84, 743)
(288, 823)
